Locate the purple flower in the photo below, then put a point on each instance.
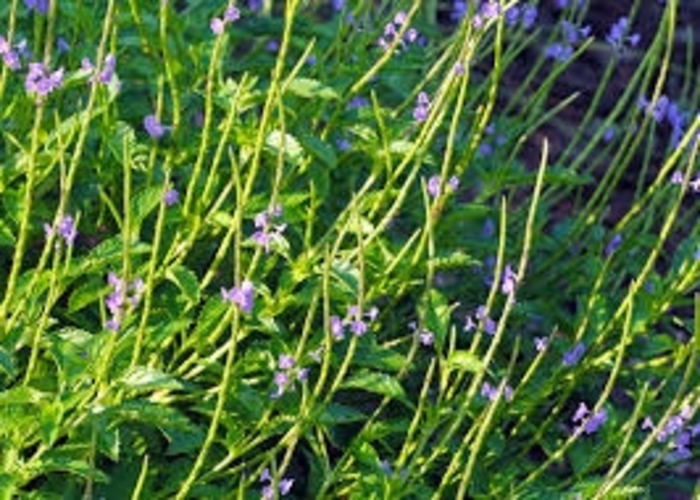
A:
(590, 423)
(337, 328)
(40, 6)
(242, 296)
(40, 81)
(434, 184)
(613, 245)
(469, 324)
(108, 69)
(459, 10)
(66, 230)
(458, 68)
(62, 45)
(231, 14)
(426, 338)
(285, 362)
(559, 51)
(490, 9)
(490, 392)
(509, 280)
(487, 323)
(616, 37)
(119, 302)
(420, 112)
(268, 491)
(338, 5)
(540, 343)
(171, 197)
(528, 16)
(154, 128)
(267, 232)
(217, 25)
(574, 355)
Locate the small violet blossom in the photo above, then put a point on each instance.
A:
(391, 32)
(286, 375)
(218, 24)
(268, 491)
(590, 422)
(562, 51)
(171, 197)
(435, 185)
(613, 245)
(617, 36)
(491, 392)
(509, 281)
(154, 128)
(266, 231)
(482, 319)
(422, 109)
(10, 57)
(574, 355)
(242, 296)
(65, 228)
(678, 432)
(540, 343)
(40, 81)
(40, 6)
(357, 322)
(124, 297)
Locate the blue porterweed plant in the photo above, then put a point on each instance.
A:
(332, 249)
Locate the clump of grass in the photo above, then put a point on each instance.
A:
(302, 251)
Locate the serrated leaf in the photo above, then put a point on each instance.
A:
(85, 294)
(320, 150)
(142, 378)
(143, 204)
(464, 361)
(186, 280)
(309, 88)
(377, 383)
(336, 413)
(277, 141)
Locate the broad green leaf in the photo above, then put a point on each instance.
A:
(309, 88)
(277, 141)
(464, 361)
(319, 149)
(142, 378)
(143, 204)
(186, 280)
(377, 383)
(336, 413)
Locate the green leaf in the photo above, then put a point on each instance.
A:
(7, 239)
(434, 313)
(277, 141)
(86, 294)
(464, 361)
(377, 383)
(142, 378)
(336, 413)
(143, 204)
(309, 88)
(319, 149)
(186, 280)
